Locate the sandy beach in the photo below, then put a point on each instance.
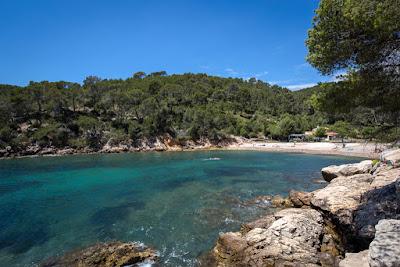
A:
(367, 150)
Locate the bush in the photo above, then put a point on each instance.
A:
(320, 132)
(135, 130)
(77, 143)
(53, 134)
(87, 123)
(118, 136)
(6, 134)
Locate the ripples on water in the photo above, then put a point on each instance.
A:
(176, 202)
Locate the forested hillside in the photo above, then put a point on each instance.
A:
(143, 107)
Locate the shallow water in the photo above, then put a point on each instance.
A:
(177, 202)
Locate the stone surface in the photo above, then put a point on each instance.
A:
(113, 254)
(331, 172)
(290, 237)
(358, 202)
(324, 224)
(384, 250)
(359, 259)
(300, 199)
(281, 202)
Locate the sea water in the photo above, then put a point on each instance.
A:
(176, 202)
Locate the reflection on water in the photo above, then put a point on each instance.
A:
(176, 202)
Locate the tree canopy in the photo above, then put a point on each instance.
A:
(361, 38)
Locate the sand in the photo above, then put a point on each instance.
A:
(367, 150)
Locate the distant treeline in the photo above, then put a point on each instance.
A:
(185, 107)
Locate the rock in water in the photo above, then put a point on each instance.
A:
(331, 172)
(384, 250)
(112, 254)
(291, 237)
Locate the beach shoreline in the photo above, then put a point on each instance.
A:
(355, 149)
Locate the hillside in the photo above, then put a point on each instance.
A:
(143, 107)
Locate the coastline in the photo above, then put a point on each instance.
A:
(356, 149)
(353, 221)
(363, 150)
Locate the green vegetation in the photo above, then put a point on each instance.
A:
(184, 107)
(144, 107)
(361, 39)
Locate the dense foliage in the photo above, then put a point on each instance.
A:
(362, 39)
(184, 107)
(189, 106)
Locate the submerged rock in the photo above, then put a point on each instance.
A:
(331, 172)
(112, 254)
(291, 237)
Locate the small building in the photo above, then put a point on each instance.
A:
(296, 137)
(309, 133)
(331, 135)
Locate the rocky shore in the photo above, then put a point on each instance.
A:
(113, 254)
(353, 221)
(167, 143)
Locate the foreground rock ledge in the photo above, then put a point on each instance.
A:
(114, 254)
(326, 223)
(289, 237)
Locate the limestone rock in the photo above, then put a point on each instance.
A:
(112, 254)
(358, 202)
(281, 202)
(359, 259)
(47, 151)
(384, 250)
(331, 172)
(300, 199)
(290, 237)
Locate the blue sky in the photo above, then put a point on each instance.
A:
(69, 40)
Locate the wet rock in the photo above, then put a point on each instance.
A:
(281, 202)
(331, 172)
(300, 199)
(106, 255)
(290, 237)
(384, 250)
(359, 259)
(259, 201)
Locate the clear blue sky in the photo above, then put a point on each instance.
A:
(71, 39)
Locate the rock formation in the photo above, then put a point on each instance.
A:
(112, 254)
(326, 223)
(331, 172)
(384, 250)
(289, 237)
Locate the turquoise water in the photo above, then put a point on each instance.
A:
(177, 202)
